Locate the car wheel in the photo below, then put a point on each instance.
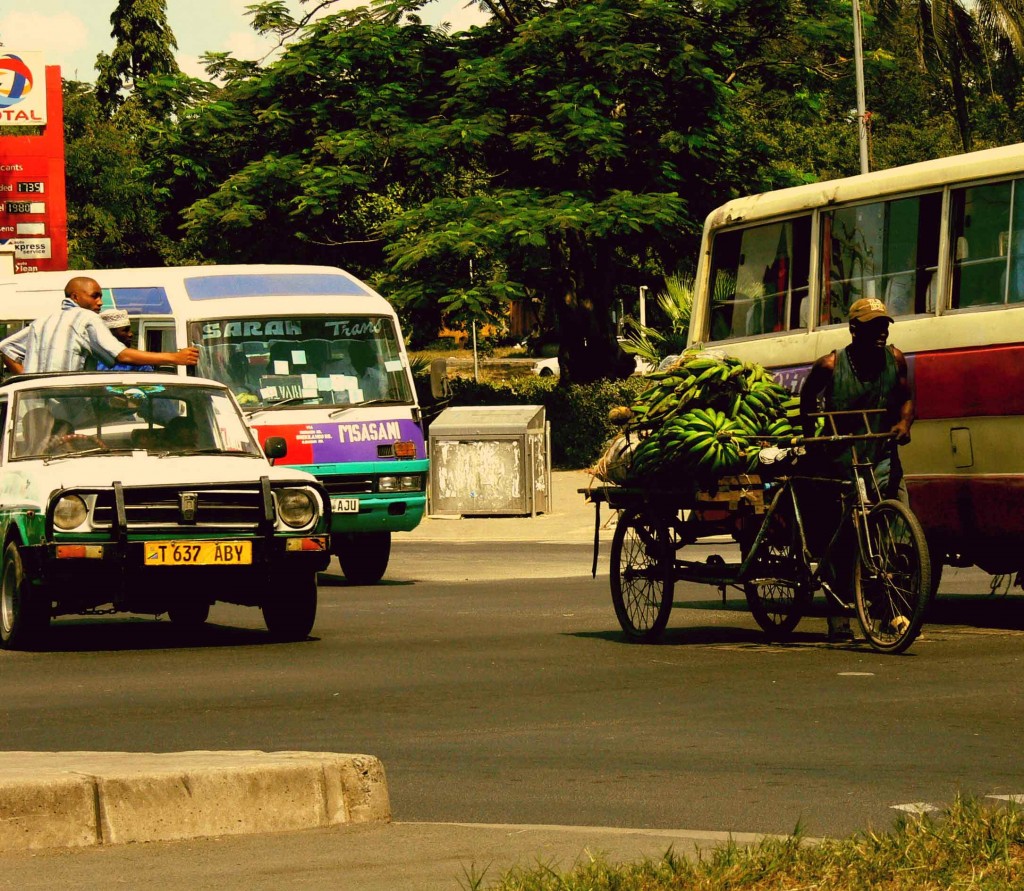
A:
(24, 610)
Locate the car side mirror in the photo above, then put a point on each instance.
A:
(275, 447)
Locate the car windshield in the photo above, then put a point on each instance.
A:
(98, 418)
(304, 361)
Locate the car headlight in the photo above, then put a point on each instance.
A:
(70, 512)
(411, 482)
(295, 507)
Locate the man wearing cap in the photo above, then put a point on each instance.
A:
(867, 374)
(121, 327)
(74, 338)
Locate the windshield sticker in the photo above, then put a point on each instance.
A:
(393, 365)
(298, 357)
(354, 327)
(245, 329)
(339, 442)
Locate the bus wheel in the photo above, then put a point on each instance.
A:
(363, 555)
(289, 607)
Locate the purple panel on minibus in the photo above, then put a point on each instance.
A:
(285, 284)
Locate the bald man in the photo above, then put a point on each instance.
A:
(75, 338)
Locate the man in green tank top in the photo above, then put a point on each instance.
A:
(867, 374)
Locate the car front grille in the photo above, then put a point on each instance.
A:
(157, 508)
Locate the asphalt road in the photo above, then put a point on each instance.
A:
(493, 683)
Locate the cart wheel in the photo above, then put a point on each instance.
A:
(892, 583)
(777, 597)
(642, 574)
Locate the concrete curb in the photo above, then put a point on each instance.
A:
(78, 799)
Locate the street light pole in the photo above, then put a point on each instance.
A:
(643, 306)
(862, 115)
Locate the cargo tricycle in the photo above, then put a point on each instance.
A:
(800, 532)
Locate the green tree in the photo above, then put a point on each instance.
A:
(959, 42)
(144, 46)
(112, 220)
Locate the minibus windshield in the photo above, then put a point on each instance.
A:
(304, 360)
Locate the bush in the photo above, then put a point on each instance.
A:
(578, 413)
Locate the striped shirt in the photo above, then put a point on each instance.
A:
(73, 339)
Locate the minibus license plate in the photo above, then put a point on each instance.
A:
(198, 553)
(345, 505)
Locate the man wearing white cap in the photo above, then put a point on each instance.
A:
(120, 326)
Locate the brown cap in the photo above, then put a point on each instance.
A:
(868, 308)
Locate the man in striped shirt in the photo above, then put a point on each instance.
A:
(75, 338)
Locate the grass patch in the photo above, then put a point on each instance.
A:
(969, 847)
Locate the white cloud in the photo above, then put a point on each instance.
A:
(248, 45)
(61, 36)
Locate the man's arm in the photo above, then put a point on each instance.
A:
(817, 381)
(186, 356)
(111, 351)
(902, 427)
(12, 350)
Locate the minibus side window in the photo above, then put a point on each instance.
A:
(988, 245)
(887, 250)
(759, 279)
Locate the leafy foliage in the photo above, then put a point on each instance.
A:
(144, 47)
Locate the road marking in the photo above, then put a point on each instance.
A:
(915, 807)
(856, 674)
(1016, 797)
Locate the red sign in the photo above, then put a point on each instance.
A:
(33, 206)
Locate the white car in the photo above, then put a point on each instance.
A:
(147, 493)
(549, 367)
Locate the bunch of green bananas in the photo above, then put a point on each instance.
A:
(700, 446)
(706, 417)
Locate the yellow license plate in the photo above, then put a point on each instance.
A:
(198, 553)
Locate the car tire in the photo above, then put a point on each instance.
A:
(24, 609)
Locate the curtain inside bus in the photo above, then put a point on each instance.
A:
(759, 279)
(888, 250)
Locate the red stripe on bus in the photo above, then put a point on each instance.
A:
(972, 508)
(969, 382)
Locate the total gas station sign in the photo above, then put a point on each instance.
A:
(33, 212)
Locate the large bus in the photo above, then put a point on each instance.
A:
(312, 355)
(942, 243)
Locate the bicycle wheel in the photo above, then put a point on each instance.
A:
(892, 588)
(642, 574)
(777, 596)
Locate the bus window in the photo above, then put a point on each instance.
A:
(759, 279)
(887, 250)
(988, 240)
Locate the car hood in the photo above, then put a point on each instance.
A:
(36, 479)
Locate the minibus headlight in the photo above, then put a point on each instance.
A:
(295, 507)
(409, 482)
(70, 512)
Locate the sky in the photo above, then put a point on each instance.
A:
(72, 32)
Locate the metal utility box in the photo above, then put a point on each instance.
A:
(490, 460)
